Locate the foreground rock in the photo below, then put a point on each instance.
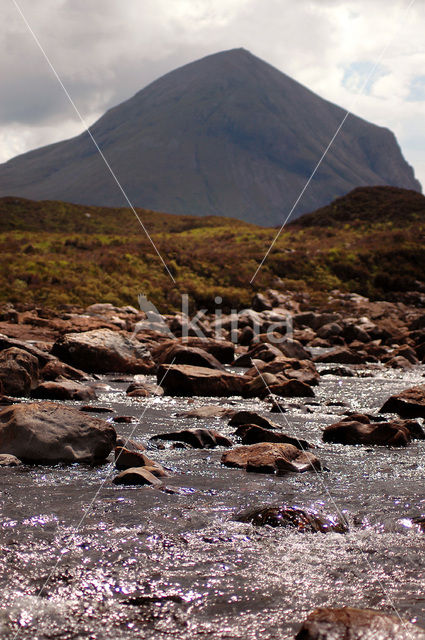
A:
(47, 432)
(185, 380)
(408, 404)
(196, 438)
(252, 434)
(18, 371)
(291, 517)
(57, 370)
(268, 457)
(378, 433)
(357, 624)
(103, 351)
(64, 390)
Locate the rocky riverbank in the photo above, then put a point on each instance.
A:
(256, 402)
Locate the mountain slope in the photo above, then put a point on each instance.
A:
(226, 135)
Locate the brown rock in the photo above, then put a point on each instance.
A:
(126, 459)
(55, 370)
(197, 438)
(178, 353)
(252, 434)
(408, 404)
(103, 351)
(207, 411)
(144, 390)
(379, 433)
(46, 432)
(252, 417)
(267, 457)
(292, 517)
(18, 371)
(340, 355)
(357, 624)
(137, 476)
(6, 460)
(222, 350)
(65, 390)
(185, 380)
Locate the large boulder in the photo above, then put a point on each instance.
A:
(357, 624)
(185, 380)
(269, 384)
(267, 457)
(6, 342)
(18, 371)
(47, 432)
(293, 518)
(408, 404)
(379, 433)
(104, 351)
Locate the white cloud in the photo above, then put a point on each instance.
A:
(106, 50)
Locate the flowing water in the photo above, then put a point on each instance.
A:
(83, 558)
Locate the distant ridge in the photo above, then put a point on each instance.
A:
(226, 135)
(369, 205)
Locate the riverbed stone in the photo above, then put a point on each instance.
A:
(292, 517)
(48, 432)
(6, 460)
(18, 371)
(103, 351)
(267, 457)
(352, 432)
(252, 434)
(186, 380)
(410, 403)
(138, 476)
(64, 390)
(357, 624)
(196, 438)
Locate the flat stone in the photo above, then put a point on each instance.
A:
(266, 457)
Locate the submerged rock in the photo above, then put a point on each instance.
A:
(266, 457)
(408, 404)
(103, 351)
(357, 624)
(291, 517)
(47, 432)
(196, 438)
(185, 380)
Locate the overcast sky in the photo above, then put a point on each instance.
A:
(106, 50)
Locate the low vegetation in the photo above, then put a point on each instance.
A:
(54, 253)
